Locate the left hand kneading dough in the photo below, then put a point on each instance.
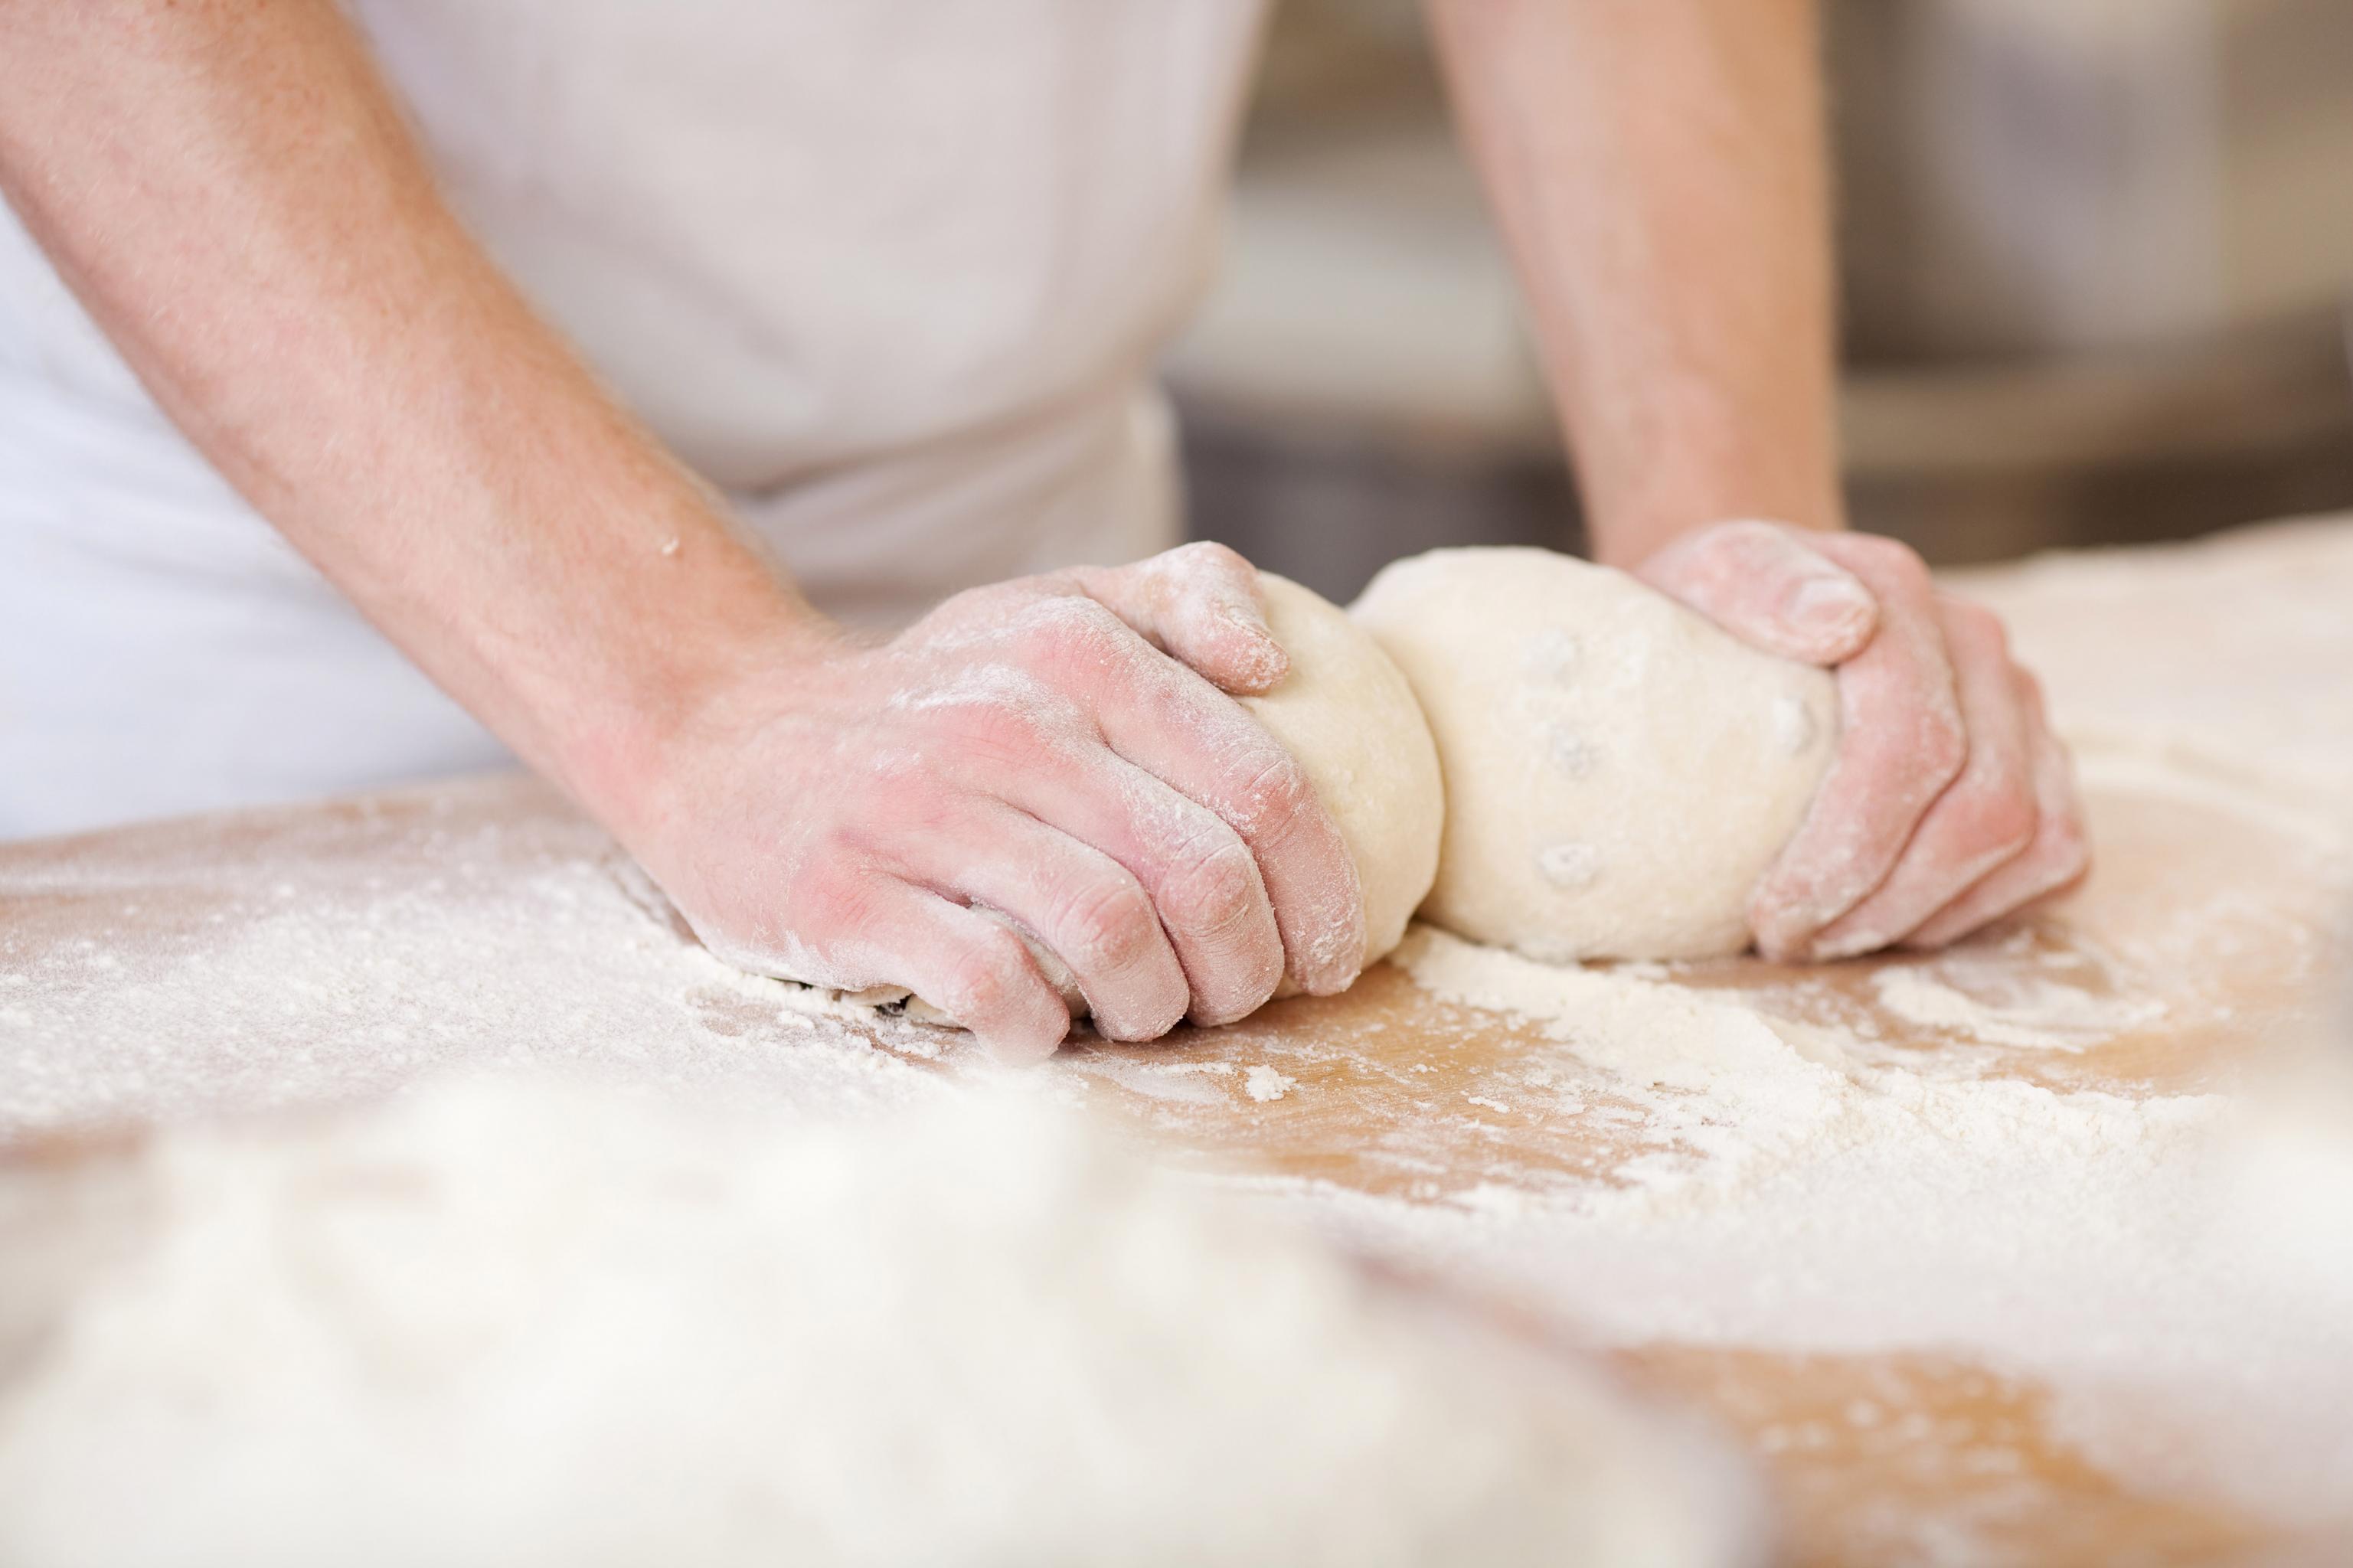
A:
(1348, 716)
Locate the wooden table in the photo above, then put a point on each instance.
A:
(275, 958)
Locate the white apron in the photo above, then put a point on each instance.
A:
(891, 273)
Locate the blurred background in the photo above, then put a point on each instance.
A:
(2096, 258)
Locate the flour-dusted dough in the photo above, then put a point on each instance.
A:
(1619, 771)
(1347, 713)
(519, 1322)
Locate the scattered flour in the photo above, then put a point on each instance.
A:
(511, 1322)
(2035, 1016)
(1263, 1083)
(1760, 1181)
(1787, 1186)
(287, 958)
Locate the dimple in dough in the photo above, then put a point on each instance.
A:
(1619, 771)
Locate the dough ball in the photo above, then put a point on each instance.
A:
(1619, 771)
(1348, 716)
(519, 1322)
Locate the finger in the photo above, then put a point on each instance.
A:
(1176, 727)
(1179, 728)
(1902, 744)
(973, 969)
(1985, 817)
(1204, 884)
(1200, 605)
(1769, 585)
(1081, 906)
(2058, 858)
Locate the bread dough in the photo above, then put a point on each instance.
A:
(515, 1322)
(1619, 771)
(1349, 715)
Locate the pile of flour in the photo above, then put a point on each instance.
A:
(503, 1321)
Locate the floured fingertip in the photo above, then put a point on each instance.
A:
(1020, 1050)
(1832, 615)
(1254, 661)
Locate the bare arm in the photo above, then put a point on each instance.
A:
(236, 198)
(232, 193)
(1658, 171)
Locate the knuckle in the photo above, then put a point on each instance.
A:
(1981, 627)
(1010, 731)
(989, 604)
(1107, 927)
(1068, 632)
(986, 981)
(1215, 887)
(1877, 550)
(2004, 817)
(1208, 556)
(1273, 797)
(832, 899)
(1896, 563)
(906, 797)
(1909, 573)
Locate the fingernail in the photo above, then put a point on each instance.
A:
(1019, 1054)
(1265, 662)
(1332, 979)
(1832, 601)
(1335, 961)
(1852, 944)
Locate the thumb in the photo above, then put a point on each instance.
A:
(1765, 586)
(1199, 604)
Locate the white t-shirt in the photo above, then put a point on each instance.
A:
(893, 273)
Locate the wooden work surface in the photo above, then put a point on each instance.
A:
(356, 945)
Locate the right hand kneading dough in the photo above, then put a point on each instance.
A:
(1619, 771)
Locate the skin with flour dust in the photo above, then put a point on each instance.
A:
(1064, 748)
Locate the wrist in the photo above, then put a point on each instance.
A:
(622, 748)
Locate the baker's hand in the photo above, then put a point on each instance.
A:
(1060, 750)
(1951, 804)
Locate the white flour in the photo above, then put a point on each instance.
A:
(1804, 1191)
(1954, 1156)
(517, 1323)
(1263, 1083)
(477, 925)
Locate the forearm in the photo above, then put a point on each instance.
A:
(232, 193)
(1659, 173)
